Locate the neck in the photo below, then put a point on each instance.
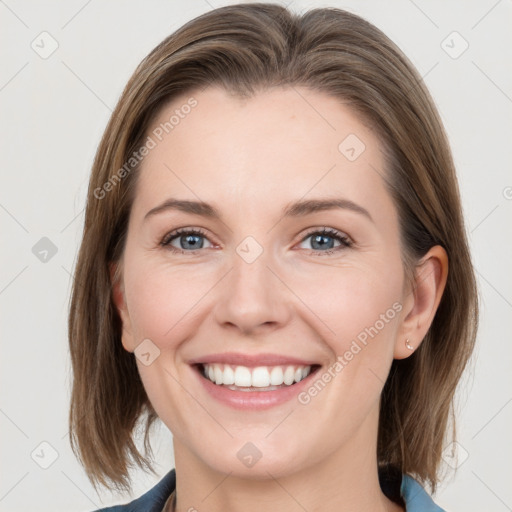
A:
(346, 480)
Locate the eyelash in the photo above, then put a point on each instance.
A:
(333, 233)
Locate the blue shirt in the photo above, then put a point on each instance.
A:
(415, 497)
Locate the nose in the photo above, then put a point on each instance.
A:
(252, 299)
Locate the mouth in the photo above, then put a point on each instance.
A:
(255, 379)
(255, 387)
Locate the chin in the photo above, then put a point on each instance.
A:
(257, 460)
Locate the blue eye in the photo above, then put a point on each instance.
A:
(324, 238)
(188, 238)
(191, 240)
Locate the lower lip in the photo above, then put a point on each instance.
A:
(253, 400)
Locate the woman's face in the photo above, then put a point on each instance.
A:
(257, 294)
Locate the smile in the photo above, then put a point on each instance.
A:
(260, 378)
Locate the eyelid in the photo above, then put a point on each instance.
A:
(182, 231)
(344, 240)
(335, 233)
(175, 233)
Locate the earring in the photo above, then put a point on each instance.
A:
(408, 345)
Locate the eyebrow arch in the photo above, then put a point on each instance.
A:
(186, 206)
(301, 208)
(296, 209)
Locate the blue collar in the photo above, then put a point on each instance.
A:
(415, 497)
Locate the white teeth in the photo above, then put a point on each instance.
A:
(219, 374)
(242, 376)
(258, 377)
(289, 375)
(229, 375)
(276, 376)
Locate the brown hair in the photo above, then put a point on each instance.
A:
(246, 48)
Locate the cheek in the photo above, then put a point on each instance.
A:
(162, 299)
(361, 308)
(366, 317)
(354, 303)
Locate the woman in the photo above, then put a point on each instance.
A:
(274, 263)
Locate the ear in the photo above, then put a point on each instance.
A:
(119, 298)
(422, 301)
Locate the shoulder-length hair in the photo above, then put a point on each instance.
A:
(247, 48)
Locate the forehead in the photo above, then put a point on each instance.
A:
(270, 149)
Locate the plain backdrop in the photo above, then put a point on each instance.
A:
(63, 67)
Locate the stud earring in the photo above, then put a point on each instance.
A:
(408, 345)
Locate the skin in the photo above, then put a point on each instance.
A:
(250, 158)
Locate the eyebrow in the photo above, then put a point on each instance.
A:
(296, 209)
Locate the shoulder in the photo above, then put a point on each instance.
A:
(152, 501)
(415, 497)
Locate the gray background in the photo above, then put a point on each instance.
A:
(53, 110)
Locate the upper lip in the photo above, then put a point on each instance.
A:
(252, 360)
